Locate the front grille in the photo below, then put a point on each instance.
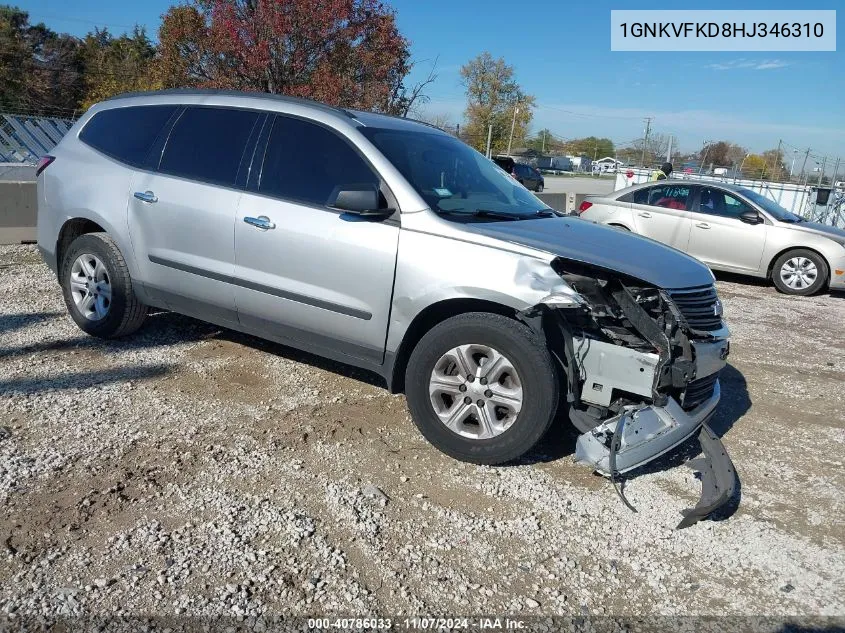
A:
(699, 307)
(699, 391)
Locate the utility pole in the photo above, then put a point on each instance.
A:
(669, 151)
(835, 174)
(821, 173)
(544, 141)
(804, 166)
(489, 138)
(513, 125)
(776, 158)
(645, 139)
(458, 130)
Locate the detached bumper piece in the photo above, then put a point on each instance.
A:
(639, 436)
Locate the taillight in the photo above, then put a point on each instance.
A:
(43, 163)
(584, 206)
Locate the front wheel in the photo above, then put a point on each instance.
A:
(97, 288)
(799, 272)
(540, 188)
(482, 388)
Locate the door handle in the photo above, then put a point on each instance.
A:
(702, 225)
(644, 214)
(261, 222)
(146, 196)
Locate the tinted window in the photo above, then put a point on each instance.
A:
(126, 133)
(717, 202)
(207, 144)
(666, 196)
(309, 163)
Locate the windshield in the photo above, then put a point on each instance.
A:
(771, 207)
(452, 177)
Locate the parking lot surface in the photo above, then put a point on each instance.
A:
(191, 470)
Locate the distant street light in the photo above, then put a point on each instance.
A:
(513, 125)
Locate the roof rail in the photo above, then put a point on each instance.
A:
(232, 93)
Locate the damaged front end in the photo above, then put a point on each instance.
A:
(642, 366)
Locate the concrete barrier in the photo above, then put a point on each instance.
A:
(18, 212)
(564, 202)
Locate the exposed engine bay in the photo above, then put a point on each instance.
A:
(642, 367)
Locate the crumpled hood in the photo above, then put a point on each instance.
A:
(591, 243)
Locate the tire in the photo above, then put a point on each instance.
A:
(539, 188)
(119, 315)
(523, 351)
(813, 269)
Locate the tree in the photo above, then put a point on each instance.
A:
(343, 52)
(591, 147)
(114, 65)
(494, 98)
(722, 154)
(39, 69)
(546, 142)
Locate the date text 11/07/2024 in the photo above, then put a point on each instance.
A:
(417, 623)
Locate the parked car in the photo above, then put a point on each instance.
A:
(525, 175)
(389, 245)
(729, 228)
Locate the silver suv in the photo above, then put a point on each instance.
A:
(387, 244)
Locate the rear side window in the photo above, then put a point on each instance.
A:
(308, 163)
(126, 134)
(207, 144)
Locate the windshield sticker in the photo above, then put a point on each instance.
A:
(443, 192)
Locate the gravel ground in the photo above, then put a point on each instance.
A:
(192, 471)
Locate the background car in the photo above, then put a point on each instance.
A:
(525, 175)
(729, 228)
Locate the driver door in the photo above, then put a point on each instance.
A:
(719, 238)
(306, 271)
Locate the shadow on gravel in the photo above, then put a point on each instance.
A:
(10, 322)
(81, 380)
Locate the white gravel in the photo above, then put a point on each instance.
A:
(195, 472)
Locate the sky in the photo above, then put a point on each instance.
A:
(561, 54)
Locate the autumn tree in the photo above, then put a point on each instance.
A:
(494, 98)
(722, 154)
(546, 142)
(342, 52)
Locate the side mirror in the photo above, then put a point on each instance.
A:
(750, 217)
(363, 200)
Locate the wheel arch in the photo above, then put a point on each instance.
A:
(71, 230)
(770, 266)
(428, 318)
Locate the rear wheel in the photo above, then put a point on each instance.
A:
(799, 272)
(540, 187)
(482, 388)
(97, 288)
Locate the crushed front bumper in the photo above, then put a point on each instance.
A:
(648, 433)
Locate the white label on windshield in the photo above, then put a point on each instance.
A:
(443, 192)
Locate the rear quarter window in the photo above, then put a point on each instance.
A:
(126, 134)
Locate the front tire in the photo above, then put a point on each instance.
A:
(97, 288)
(539, 188)
(800, 272)
(482, 388)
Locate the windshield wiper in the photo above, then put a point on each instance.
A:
(502, 215)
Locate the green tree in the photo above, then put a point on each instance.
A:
(494, 98)
(591, 147)
(546, 142)
(114, 65)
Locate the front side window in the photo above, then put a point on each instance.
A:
(717, 202)
(207, 144)
(309, 163)
(452, 177)
(126, 134)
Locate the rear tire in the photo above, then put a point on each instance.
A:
(539, 188)
(800, 272)
(520, 363)
(97, 288)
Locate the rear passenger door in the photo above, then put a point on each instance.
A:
(315, 277)
(182, 214)
(659, 212)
